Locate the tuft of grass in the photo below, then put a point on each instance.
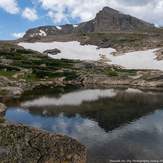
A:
(120, 72)
(7, 73)
(126, 72)
(111, 72)
(30, 77)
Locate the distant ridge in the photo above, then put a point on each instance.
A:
(107, 20)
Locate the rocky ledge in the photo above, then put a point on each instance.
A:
(22, 144)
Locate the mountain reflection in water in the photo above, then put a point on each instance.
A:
(112, 123)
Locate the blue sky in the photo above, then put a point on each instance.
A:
(16, 16)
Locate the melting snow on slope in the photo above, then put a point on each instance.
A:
(139, 60)
(70, 50)
(73, 50)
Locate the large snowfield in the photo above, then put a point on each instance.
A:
(73, 50)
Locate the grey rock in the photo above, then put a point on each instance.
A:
(23, 144)
(52, 51)
(4, 81)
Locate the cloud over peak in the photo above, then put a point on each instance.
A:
(149, 10)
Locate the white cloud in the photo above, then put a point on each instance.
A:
(30, 14)
(9, 6)
(62, 10)
(58, 17)
(149, 10)
(18, 35)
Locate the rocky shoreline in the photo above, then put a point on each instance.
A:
(144, 79)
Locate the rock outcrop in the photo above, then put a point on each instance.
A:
(23, 144)
(52, 51)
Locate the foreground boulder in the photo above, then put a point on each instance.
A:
(2, 109)
(23, 144)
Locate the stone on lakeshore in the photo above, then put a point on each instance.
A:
(2, 109)
(23, 144)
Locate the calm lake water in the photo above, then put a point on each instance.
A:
(112, 123)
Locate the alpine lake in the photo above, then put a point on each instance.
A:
(114, 124)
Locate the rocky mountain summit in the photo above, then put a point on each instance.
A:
(112, 20)
(107, 20)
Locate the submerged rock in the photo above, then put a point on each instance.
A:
(23, 144)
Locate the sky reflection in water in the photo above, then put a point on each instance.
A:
(137, 138)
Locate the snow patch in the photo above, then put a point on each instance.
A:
(73, 50)
(138, 60)
(157, 26)
(42, 33)
(75, 25)
(132, 90)
(59, 27)
(70, 50)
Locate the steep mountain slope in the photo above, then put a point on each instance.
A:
(112, 20)
(107, 20)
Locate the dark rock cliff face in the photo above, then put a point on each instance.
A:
(107, 20)
(112, 20)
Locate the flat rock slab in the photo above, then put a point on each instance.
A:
(20, 144)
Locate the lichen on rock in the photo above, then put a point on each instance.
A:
(23, 144)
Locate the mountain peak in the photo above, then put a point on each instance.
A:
(109, 9)
(107, 20)
(111, 20)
